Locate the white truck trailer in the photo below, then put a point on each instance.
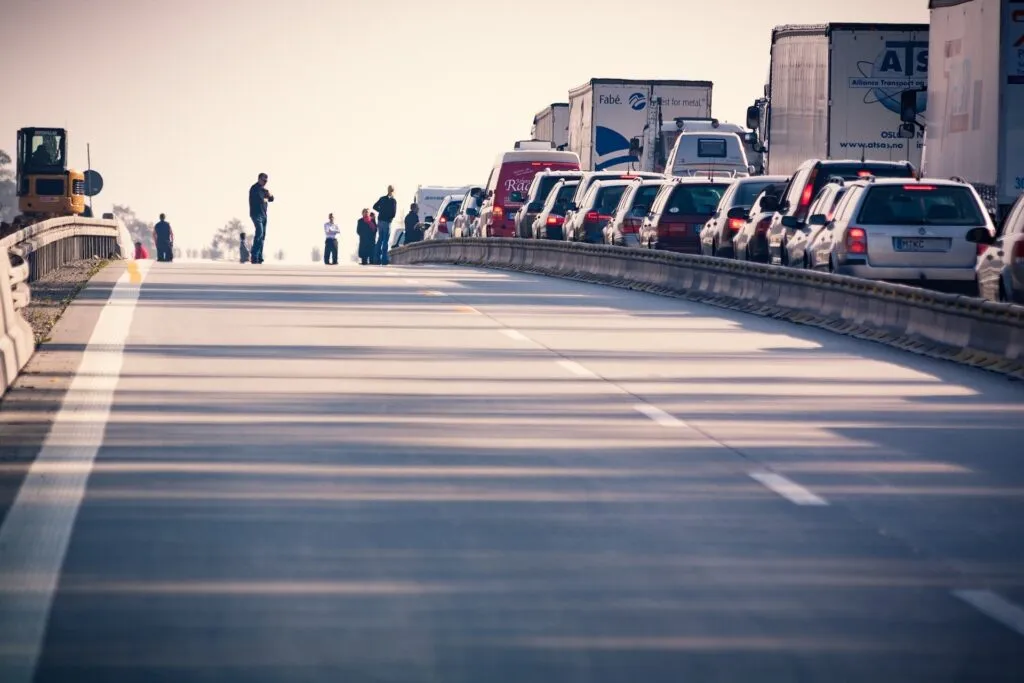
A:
(975, 124)
(835, 92)
(429, 198)
(551, 124)
(605, 114)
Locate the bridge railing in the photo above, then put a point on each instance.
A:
(964, 329)
(32, 253)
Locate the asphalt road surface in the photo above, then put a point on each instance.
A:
(288, 474)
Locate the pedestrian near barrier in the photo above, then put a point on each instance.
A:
(366, 232)
(413, 233)
(331, 231)
(386, 208)
(259, 196)
(163, 235)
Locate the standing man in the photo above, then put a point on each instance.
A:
(259, 195)
(164, 238)
(412, 221)
(386, 208)
(331, 241)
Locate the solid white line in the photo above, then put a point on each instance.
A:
(35, 534)
(576, 369)
(515, 334)
(787, 488)
(995, 606)
(658, 415)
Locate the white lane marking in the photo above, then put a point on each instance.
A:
(994, 606)
(658, 415)
(515, 334)
(412, 282)
(576, 369)
(788, 489)
(35, 534)
(433, 292)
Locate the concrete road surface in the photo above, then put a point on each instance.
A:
(453, 475)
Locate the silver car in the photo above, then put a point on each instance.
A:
(905, 230)
(821, 211)
(1000, 265)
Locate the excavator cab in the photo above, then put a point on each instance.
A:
(46, 186)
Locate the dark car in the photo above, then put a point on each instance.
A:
(549, 222)
(680, 211)
(807, 182)
(533, 201)
(594, 211)
(624, 227)
(750, 243)
(731, 214)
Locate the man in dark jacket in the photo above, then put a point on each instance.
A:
(413, 233)
(164, 238)
(258, 198)
(386, 208)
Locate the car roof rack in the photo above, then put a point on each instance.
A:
(958, 179)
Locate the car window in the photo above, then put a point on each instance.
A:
(608, 198)
(452, 209)
(748, 191)
(695, 199)
(560, 201)
(796, 188)
(646, 195)
(823, 201)
(920, 204)
(846, 204)
(726, 200)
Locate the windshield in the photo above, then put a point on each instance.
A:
(452, 209)
(608, 198)
(547, 183)
(645, 196)
(920, 205)
(565, 193)
(692, 200)
(746, 193)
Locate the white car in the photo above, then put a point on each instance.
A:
(442, 226)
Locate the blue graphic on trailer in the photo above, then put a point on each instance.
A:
(637, 101)
(902, 65)
(611, 148)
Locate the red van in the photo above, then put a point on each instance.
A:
(509, 184)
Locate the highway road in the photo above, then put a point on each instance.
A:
(448, 475)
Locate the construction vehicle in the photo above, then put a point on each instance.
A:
(46, 187)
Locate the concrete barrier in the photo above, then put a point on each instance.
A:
(31, 253)
(959, 328)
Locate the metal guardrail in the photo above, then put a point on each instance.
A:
(32, 253)
(960, 328)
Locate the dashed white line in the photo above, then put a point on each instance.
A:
(788, 489)
(994, 606)
(515, 334)
(433, 292)
(658, 415)
(576, 369)
(36, 531)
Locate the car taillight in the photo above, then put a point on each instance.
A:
(631, 225)
(591, 217)
(856, 241)
(555, 221)
(925, 188)
(498, 212)
(807, 195)
(736, 224)
(442, 225)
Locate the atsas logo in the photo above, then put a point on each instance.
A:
(902, 65)
(637, 101)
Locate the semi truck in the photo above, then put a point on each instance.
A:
(551, 124)
(605, 114)
(836, 91)
(975, 124)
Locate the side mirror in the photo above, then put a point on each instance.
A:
(751, 169)
(535, 207)
(738, 212)
(753, 117)
(429, 220)
(980, 236)
(516, 197)
(635, 147)
(792, 222)
(472, 213)
(817, 219)
(771, 204)
(908, 131)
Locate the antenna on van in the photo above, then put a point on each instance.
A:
(863, 151)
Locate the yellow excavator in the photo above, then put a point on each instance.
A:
(46, 187)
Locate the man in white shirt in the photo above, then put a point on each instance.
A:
(331, 231)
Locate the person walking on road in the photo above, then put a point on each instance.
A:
(412, 222)
(386, 208)
(331, 231)
(164, 238)
(366, 232)
(259, 195)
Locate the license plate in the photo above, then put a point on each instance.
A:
(920, 244)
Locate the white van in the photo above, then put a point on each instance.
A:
(708, 153)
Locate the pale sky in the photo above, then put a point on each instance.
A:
(185, 101)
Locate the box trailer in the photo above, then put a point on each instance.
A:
(975, 123)
(551, 124)
(606, 113)
(835, 92)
